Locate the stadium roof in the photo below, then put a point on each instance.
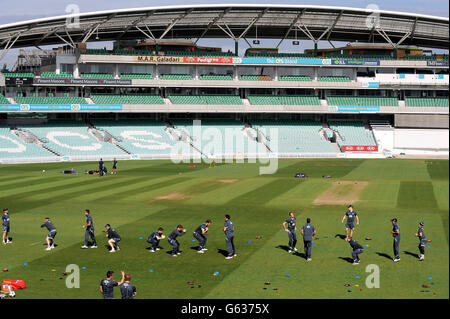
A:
(233, 21)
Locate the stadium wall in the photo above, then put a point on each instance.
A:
(421, 121)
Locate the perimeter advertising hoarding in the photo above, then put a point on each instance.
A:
(360, 148)
(81, 81)
(437, 63)
(353, 108)
(59, 107)
(355, 62)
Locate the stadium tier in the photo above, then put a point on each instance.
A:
(295, 136)
(283, 100)
(362, 101)
(334, 79)
(206, 99)
(97, 76)
(352, 133)
(215, 77)
(281, 55)
(12, 147)
(359, 56)
(3, 99)
(50, 100)
(426, 102)
(300, 78)
(126, 99)
(176, 77)
(200, 54)
(136, 76)
(54, 75)
(256, 78)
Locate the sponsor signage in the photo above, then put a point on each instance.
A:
(355, 62)
(353, 108)
(360, 148)
(159, 59)
(60, 107)
(207, 60)
(437, 63)
(81, 81)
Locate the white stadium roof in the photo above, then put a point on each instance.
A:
(235, 21)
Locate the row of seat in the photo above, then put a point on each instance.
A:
(206, 99)
(283, 100)
(3, 99)
(362, 101)
(50, 100)
(126, 99)
(427, 102)
(353, 133)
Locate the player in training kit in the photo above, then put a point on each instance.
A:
(155, 238)
(200, 235)
(308, 232)
(113, 237)
(6, 226)
(290, 227)
(350, 225)
(357, 249)
(423, 241)
(50, 239)
(127, 289)
(396, 234)
(114, 168)
(89, 233)
(100, 167)
(228, 229)
(107, 285)
(179, 231)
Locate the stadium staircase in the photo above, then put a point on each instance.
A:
(29, 138)
(102, 135)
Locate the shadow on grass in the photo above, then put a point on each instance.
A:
(340, 236)
(196, 248)
(223, 252)
(285, 248)
(384, 255)
(347, 259)
(411, 254)
(301, 255)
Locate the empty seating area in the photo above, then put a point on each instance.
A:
(176, 77)
(217, 54)
(281, 55)
(101, 76)
(256, 78)
(206, 99)
(126, 99)
(359, 56)
(3, 99)
(283, 100)
(51, 100)
(54, 75)
(300, 78)
(333, 79)
(353, 133)
(18, 75)
(362, 101)
(216, 77)
(136, 76)
(294, 136)
(426, 101)
(139, 137)
(424, 57)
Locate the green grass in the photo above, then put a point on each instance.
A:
(410, 190)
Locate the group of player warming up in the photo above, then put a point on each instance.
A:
(308, 232)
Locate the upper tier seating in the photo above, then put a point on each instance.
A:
(53, 75)
(300, 78)
(426, 101)
(200, 54)
(353, 133)
(281, 55)
(176, 77)
(256, 78)
(216, 77)
(50, 100)
(362, 101)
(358, 56)
(206, 99)
(18, 75)
(3, 100)
(126, 99)
(136, 76)
(101, 76)
(334, 79)
(283, 100)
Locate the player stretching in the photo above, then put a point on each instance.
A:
(6, 227)
(357, 249)
(179, 231)
(291, 229)
(89, 233)
(155, 238)
(423, 241)
(113, 237)
(200, 235)
(350, 215)
(50, 239)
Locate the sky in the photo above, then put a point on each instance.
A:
(16, 11)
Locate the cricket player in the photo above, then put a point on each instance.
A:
(350, 225)
(155, 238)
(113, 237)
(50, 239)
(127, 289)
(396, 234)
(6, 226)
(228, 229)
(357, 249)
(114, 168)
(308, 232)
(107, 285)
(423, 241)
(179, 231)
(100, 167)
(89, 233)
(200, 235)
(290, 227)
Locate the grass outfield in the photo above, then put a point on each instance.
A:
(133, 203)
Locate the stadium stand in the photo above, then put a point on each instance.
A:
(352, 133)
(101, 76)
(206, 99)
(256, 78)
(3, 99)
(333, 79)
(216, 77)
(300, 78)
(18, 75)
(51, 100)
(280, 55)
(424, 57)
(126, 99)
(176, 77)
(362, 101)
(200, 54)
(53, 75)
(136, 76)
(141, 138)
(71, 139)
(426, 102)
(12, 147)
(283, 100)
(295, 136)
(358, 56)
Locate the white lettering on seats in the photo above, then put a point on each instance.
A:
(52, 136)
(149, 144)
(19, 149)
